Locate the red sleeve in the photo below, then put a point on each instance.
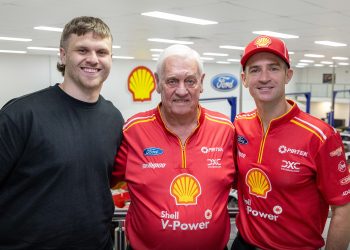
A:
(333, 172)
(118, 173)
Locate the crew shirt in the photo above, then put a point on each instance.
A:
(178, 191)
(287, 178)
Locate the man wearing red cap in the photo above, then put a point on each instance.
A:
(291, 166)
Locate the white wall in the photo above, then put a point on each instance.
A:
(23, 74)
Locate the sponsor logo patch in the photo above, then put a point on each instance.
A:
(242, 140)
(153, 165)
(206, 150)
(185, 189)
(258, 182)
(345, 180)
(285, 150)
(214, 163)
(152, 151)
(342, 166)
(337, 152)
(290, 166)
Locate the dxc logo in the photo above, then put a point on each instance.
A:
(290, 166)
(214, 163)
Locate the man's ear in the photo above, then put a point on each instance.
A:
(158, 87)
(202, 80)
(290, 73)
(244, 78)
(63, 56)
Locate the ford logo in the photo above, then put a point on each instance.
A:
(224, 82)
(152, 151)
(241, 140)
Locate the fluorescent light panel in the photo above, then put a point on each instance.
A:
(214, 54)
(207, 58)
(343, 64)
(234, 60)
(116, 46)
(231, 47)
(178, 18)
(223, 62)
(156, 50)
(340, 58)
(330, 43)
(161, 40)
(123, 57)
(314, 55)
(275, 34)
(306, 61)
(47, 28)
(43, 48)
(13, 51)
(17, 39)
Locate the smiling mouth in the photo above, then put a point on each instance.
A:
(90, 70)
(180, 101)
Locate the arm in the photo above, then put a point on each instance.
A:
(118, 173)
(339, 229)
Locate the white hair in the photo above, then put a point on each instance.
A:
(178, 50)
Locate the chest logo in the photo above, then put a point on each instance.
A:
(152, 151)
(185, 189)
(258, 182)
(242, 140)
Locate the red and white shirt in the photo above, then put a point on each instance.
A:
(287, 178)
(178, 192)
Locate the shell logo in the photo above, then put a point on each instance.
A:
(185, 188)
(258, 182)
(262, 41)
(141, 83)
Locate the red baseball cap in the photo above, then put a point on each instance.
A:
(265, 43)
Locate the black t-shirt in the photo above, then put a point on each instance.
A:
(56, 157)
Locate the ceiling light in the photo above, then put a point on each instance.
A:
(274, 34)
(343, 64)
(13, 51)
(231, 47)
(303, 64)
(155, 55)
(326, 62)
(178, 18)
(340, 58)
(123, 57)
(329, 43)
(314, 55)
(156, 50)
(214, 54)
(291, 53)
(306, 61)
(318, 65)
(46, 28)
(43, 48)
(299, 66)
(161, 40)
(116, 47)
(207, 58)
(16, 39)
(223, 62)
(234, 60)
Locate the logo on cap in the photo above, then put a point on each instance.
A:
(263, 41)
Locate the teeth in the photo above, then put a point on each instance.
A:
(90, 70)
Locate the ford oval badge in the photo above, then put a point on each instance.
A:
(224, 82)
(152, 151)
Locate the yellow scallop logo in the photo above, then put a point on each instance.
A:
(263, 41)
(141, 83)
(258, 183)
(185, 188)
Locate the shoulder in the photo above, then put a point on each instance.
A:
(140, 119)
(314, 125)
(26, 102)
(216, 117)
(246, 115)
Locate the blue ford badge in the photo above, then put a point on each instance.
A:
(224, 82)
(241, 140)
(152, 151)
